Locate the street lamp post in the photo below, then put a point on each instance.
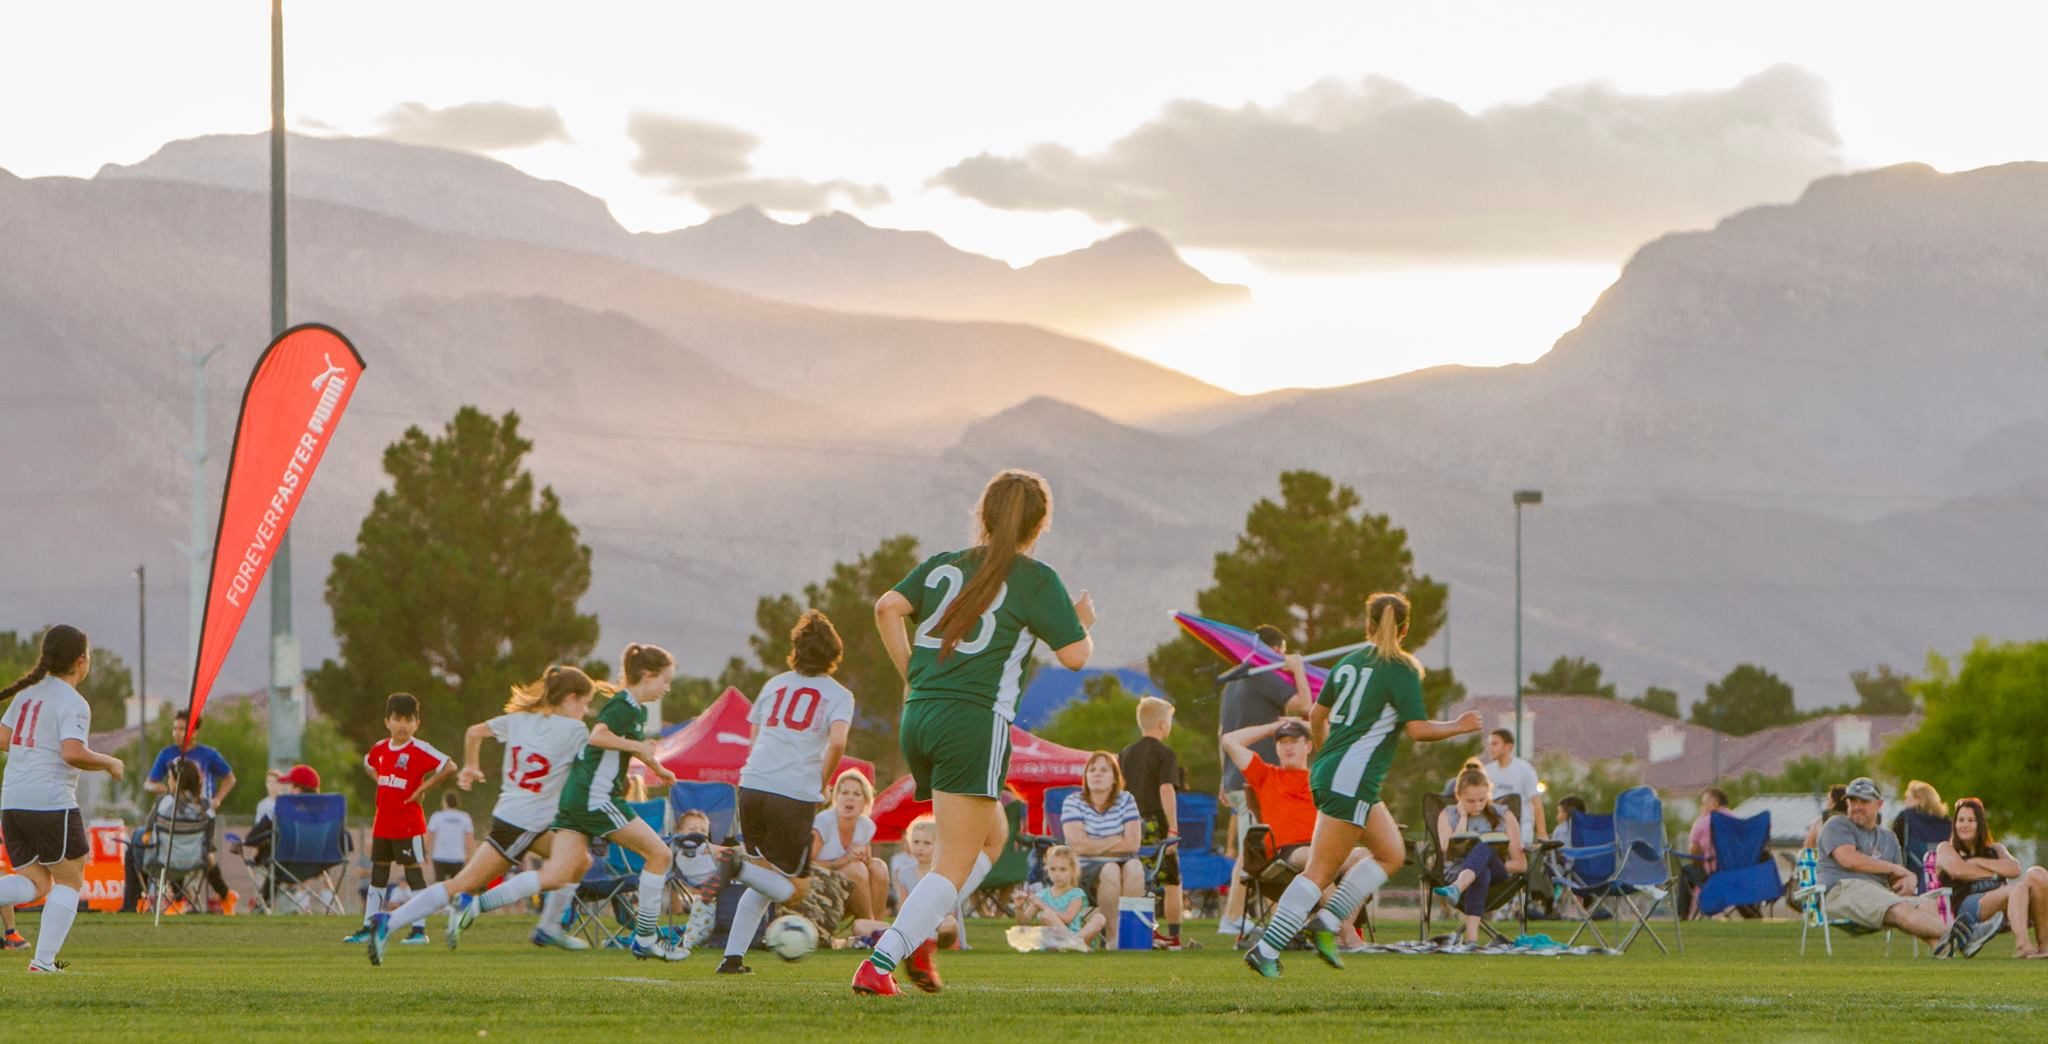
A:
(1529, 497)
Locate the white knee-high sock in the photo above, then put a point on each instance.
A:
(552, 907)
(16, 890)
(916, 920)
(417, 908)
(746, 921)
(515, 889)
(653, 890)
(982, 866)
(60, 908)
(1357, 885)
(772, 885)
(1296, 904)
(374, 901)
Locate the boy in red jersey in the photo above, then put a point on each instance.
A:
(404, 768)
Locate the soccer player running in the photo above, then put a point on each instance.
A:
(1370, 702)
(593, 804)
(978, 615)
(800, 723)
(43, 732)
(543, 732)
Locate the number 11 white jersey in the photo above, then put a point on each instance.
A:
(539, 750)
(792, 726)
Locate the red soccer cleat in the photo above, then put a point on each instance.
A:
(871, 981)
(923, 967)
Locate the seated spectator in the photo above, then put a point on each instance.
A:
(842, 837)
(217, 779)
(1061, 905)
(1837, 804)
(1700, 843)
(909, 866)
(185, 803)
(1101, 824)
(1285, 804)
(1859, 870)
(1557, 864)
(255, 848)
(1980, 874)
(1471, 832)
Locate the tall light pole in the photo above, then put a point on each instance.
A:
(287, 721)
(141, 712)
(1529, 497)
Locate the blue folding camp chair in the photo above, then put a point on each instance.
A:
(1623, 857)
(606, 886)
(1201, 867)
(1745, 874)
(720, 801)
(311, 842)
(1813, 900)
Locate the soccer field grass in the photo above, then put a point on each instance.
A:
(208, 978)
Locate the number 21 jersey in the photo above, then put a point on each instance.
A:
(1370, 699)
(792, 727)
(539, 749)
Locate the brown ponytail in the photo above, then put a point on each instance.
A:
(63, 646)
(549, 690)
(1014, 508)
(639, 661)
(1386, 616)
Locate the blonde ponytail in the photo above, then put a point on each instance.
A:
(1386, 617)
(547, 692)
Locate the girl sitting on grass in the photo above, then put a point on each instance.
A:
(1062, 906)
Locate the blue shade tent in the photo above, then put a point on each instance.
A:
(1052, 689)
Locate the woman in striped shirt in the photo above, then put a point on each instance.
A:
(1101, 824)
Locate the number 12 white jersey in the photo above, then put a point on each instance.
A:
(792, 726)
(539, 750)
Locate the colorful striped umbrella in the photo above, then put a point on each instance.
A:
(1239, 646)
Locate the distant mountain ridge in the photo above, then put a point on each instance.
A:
(1809, 438)
(833, 260)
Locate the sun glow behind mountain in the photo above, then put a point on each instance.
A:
(1327, 329)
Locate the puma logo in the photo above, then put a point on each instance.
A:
(332, 371)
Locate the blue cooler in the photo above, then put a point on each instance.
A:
(1134, 923)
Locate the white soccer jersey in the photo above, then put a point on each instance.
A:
(43, 716)
(539, 750)
(792, 726)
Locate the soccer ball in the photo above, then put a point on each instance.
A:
(792, 937)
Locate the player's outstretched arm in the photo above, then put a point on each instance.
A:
(472, 754)
(79, 756)
(1432, 731)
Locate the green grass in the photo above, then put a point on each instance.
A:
(208, 978)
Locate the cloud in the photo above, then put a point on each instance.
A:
(712, 164)
(686, 152)
(1376, 169)
(488, 126)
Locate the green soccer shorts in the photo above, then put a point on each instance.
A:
(955, 746)
(602, 821)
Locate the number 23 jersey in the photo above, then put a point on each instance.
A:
(539, 751)
(987, 666)
(1370, 699)
(792, 727)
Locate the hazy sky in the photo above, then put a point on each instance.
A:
(1400, 185)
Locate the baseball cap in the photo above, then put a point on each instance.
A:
(303, 777)
(1293, 728)
(1865, 789)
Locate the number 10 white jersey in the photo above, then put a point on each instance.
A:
(792, 726)
(539, 750)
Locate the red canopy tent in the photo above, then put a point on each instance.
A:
(1036, 765)
(714, 747)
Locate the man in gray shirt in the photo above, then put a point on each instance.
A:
(1259, 699)
(1862, 876)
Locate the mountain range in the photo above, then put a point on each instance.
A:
(1810, 437)
(832, 260)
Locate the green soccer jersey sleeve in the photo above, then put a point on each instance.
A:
(1049, 612)
(912, 586)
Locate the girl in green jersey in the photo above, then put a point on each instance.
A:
(1369, 703)
(978, 614)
